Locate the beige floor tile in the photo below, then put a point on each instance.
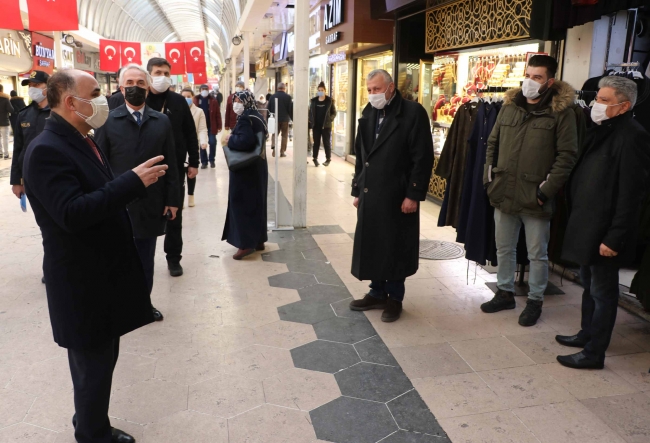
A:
(457, 395)
(251, 315)
(271, 424)
(632, 368)
(424, 287)
(13, 406)
(132, 368)
(430, 360)
(436, 306)
(187, 366)
(466, 326)
(187, 426)
(508, 324)
(562, 318)
(30, 348)
(226, 396)
(526, 386)
(44, 377)
(258, 362)
(620, 345)
(627, 415)
(284, 334)
(541, 347)
(148, 401)
(639, 333)
(274, 297)
(223, 300)
(492, 427)
(132, 429)
(588, 384)
(408, 331)
(52, 411)
(569, 422)
(224, 339)
(491, 353)
(624, 317)
(155, 340)
(23, 432)
(301, 389)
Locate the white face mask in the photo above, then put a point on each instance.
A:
(100, 111)
(161, 83)
(239, 89)
(531, 88)
(36, 94)
(238, 108)
(204, 93)
(378, 101)
(599, 112)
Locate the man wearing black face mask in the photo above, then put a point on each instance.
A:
(133, 132)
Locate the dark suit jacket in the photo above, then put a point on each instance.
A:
(96, 287)
(285, 106)
(127, 145)
(115, 100)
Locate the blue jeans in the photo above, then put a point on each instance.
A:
(383, 289)
(212, 141)
(599, 308)
(538, 234)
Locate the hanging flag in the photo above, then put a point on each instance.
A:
(200, 75)
(50, 15)
(175, 55)
(131, 53)
(194, 57)
(185, 78)
(10, 17)
(110, 55)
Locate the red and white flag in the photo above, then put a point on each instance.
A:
(10, 17)
(109, 55)
(131, 53)
(175, 55)
(52, 15)
(194, 56)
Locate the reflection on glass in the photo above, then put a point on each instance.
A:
(340, 96)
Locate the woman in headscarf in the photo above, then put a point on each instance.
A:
(246, 227)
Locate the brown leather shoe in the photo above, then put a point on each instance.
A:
(241, 253)
(260, 247)
(368, 302)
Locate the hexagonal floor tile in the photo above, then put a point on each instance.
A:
(250, 315)
(324, 356)
(402, 436)
(275, 297)
(300, 388)
(224, 339)
(412, 414)
(308, 312)
(23, 432)
(52, 411)
(226, 396)
(154, 340)
(282, 256)
(292, 280)
(284, 334)
(258, 362)
(299, 243)
(342, 309)
(373, 382)
(187, 366)
(271, 424)
(148, 401)
(187, 426)
(352, 420)
(324, 293)
(44, 377)
(323, 271)
(344, 330)
(14, 405)
(374, 350)
(132, 368)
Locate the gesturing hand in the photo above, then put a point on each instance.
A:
(192, 172)
(409, 206)
(148, 173)
(606, 251)
(355, 203)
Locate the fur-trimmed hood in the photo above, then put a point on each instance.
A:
(3, 95)
(563, 96)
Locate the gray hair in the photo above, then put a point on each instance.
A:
(624, 88)
(387, 77)
(131, 66)
(240, 83)
(281, 87)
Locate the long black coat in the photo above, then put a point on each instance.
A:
(390, 168)
(96, 288)
(30, 122)
(606, 190)
(127, 145)
(246, 220)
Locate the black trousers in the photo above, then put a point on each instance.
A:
(147, 250)
(174, 236)
(326, 135)
(92, 378)
(599, 308)
(191, 183)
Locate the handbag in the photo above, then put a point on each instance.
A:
(237, 160)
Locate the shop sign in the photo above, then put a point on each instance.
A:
(280, 47)
(43, 50)
(68, 56)
(83, 60)
(333, 37)
(15, 51)
(335, 58)
(333, 14)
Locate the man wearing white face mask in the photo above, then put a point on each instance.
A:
(210, 107)
(531, 152)
(606, 191)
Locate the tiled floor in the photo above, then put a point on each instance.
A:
(266, 350)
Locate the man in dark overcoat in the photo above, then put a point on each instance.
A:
(394, 150)
(133, 133)
(96, 289)
(606, 192)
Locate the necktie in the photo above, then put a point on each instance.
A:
(92, 145)
(138, 117)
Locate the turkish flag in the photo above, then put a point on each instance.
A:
(10, 17)
(194, 57)
(175, 55)
(131, 53)
(200, 75)
(52, 15)
(109, 55)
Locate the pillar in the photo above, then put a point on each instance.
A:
(58, 49)
(247, 58)
(300, 109)
(233, 73)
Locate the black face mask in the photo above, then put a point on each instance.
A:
(135, 95)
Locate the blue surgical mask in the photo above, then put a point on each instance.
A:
(321, 93)
(189, 101)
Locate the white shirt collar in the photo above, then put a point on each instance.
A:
(131, 110)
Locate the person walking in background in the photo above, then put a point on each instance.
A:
(394, 152)
(283, 115)
(133, 133)
(18, 103)
(218, 95)
(606, 191)
(210, 107)
(5, 111)
(531, 152)
(202, 131)
(262, 107)
(321, 116)
(246, 219)
(231, 116)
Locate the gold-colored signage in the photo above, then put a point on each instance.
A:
(9, 46)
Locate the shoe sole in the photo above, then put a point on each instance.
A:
(389, 320)
(573, 345)
(567, 365)
(513, 306)
(527, 325)
(367, 308)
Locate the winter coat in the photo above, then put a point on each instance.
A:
(285, 106)
(231, 115)
(29, 124)
(606, 191)
(18, 103)
(330, 112)
(115, 100)
(5, 109)
(95, 283)
(389, 168)
(199, 122)
(531, 151)
(215, 113)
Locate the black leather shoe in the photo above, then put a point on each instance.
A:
(502, 300)
(573, 341)
(121, 436)
(316, 163)
(367, 303)
(212, 165)
(175, 269)
(579, 361)
(392, 312)
(327, 163)
(157, 315)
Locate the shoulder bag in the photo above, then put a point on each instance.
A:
(237, 160)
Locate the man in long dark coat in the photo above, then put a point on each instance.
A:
(394, 152)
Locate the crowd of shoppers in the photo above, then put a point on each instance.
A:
(202, 132)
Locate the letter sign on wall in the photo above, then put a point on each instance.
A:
(333, 14)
